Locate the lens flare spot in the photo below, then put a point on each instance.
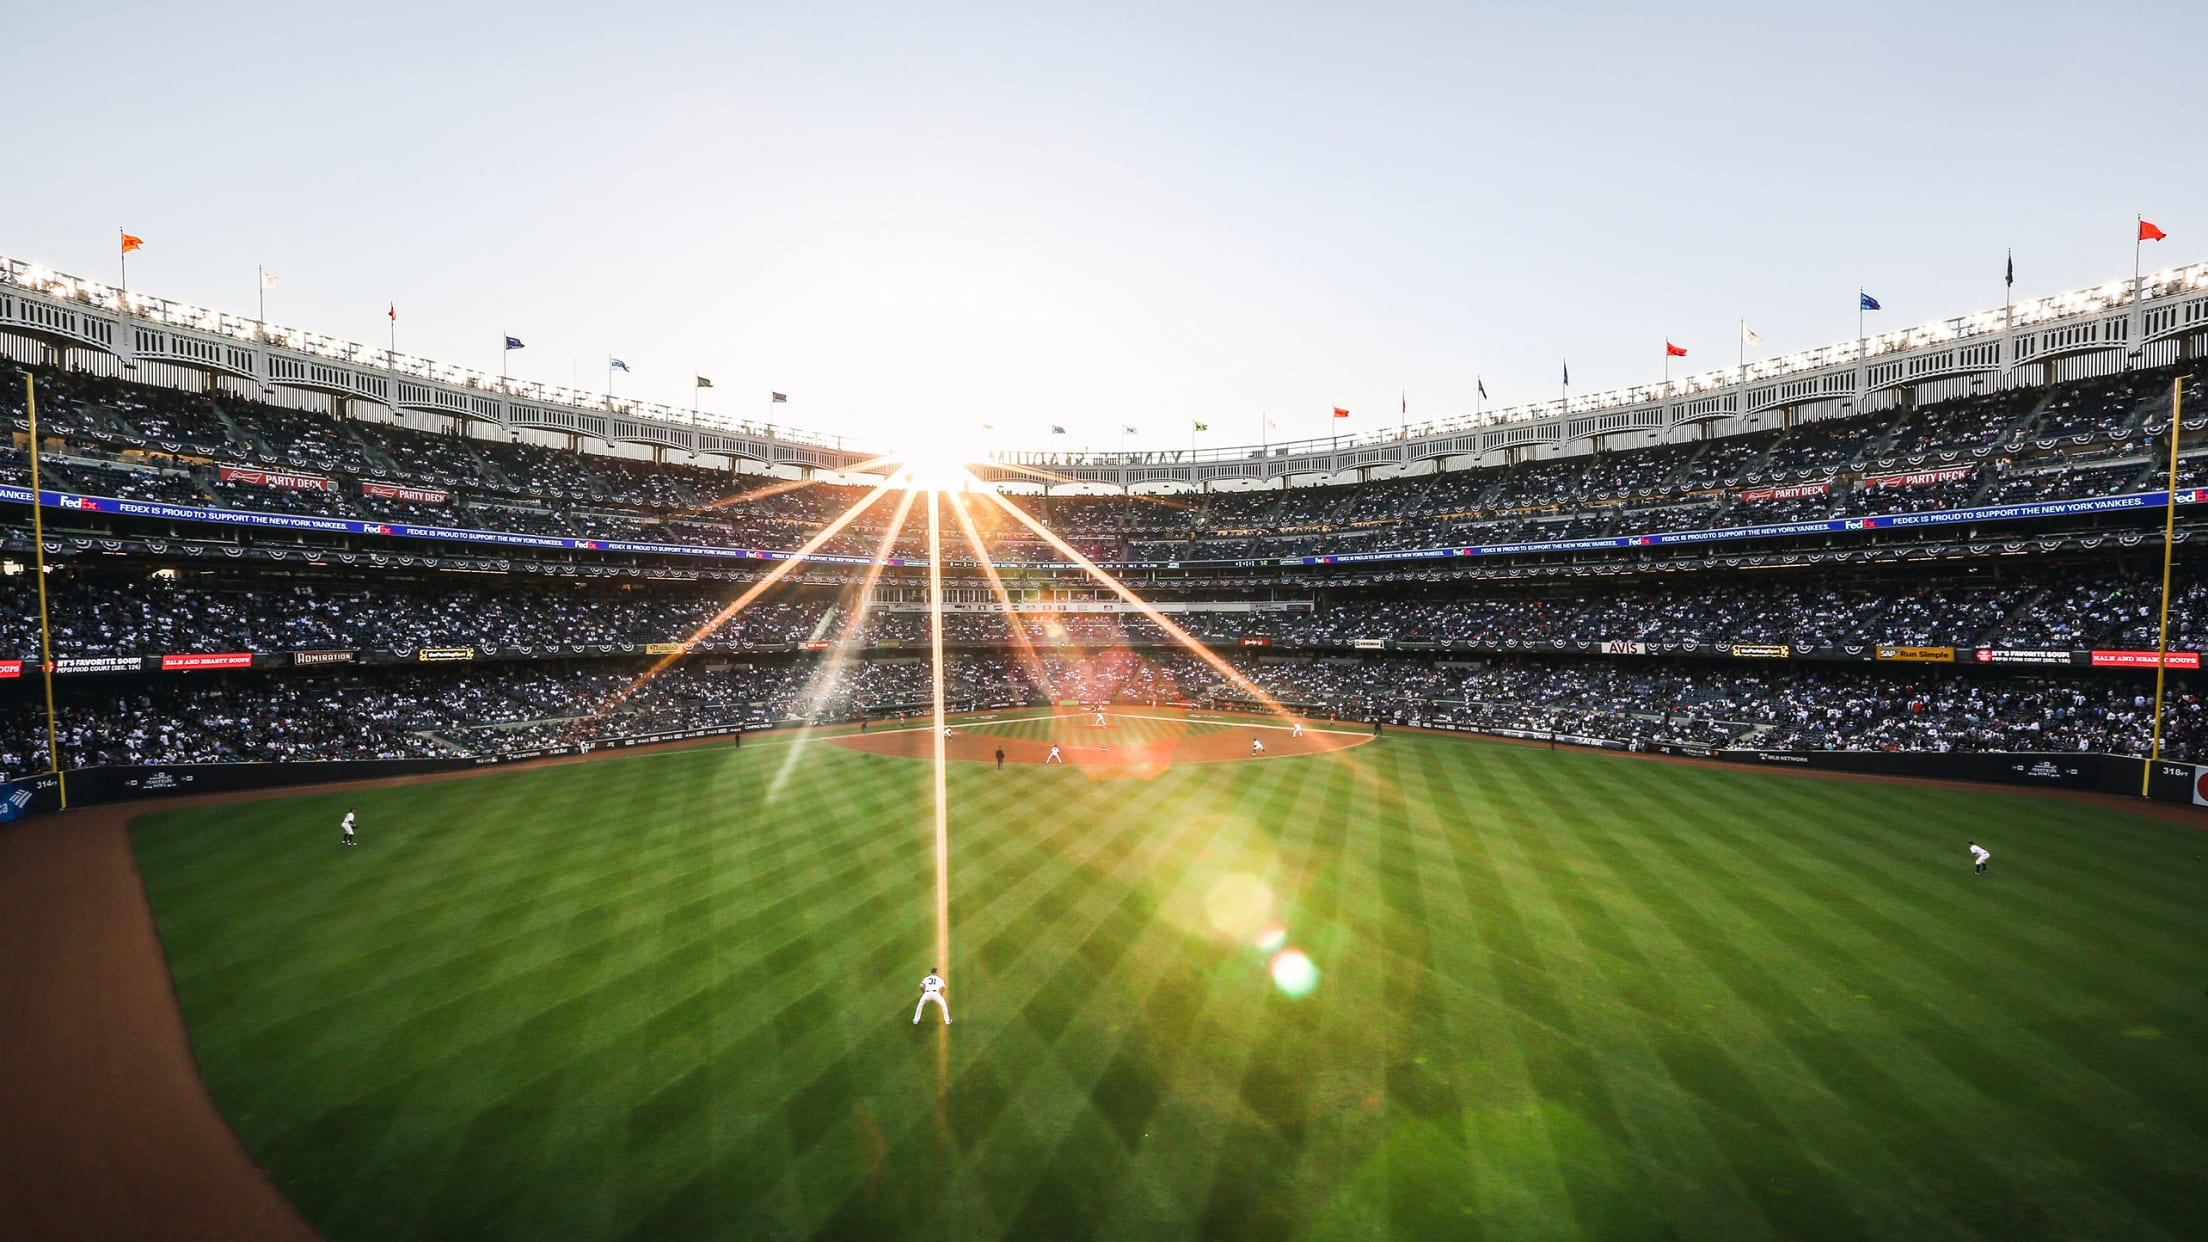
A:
(1238, 905)
(1272, 938)
(1293, 972)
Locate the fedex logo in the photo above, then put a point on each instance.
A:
(1862, 523)
(1642, 540)
(78, 502)
(374, 528)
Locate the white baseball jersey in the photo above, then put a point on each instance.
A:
(930, 986)
(348, 824)
(1978, 853)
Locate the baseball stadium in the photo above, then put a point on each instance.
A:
(1763, 803)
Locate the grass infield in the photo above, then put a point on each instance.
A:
(1560, 995)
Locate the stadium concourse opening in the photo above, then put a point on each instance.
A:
(1142, 742)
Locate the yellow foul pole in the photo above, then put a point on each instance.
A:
(38, 557)
(2169, 545)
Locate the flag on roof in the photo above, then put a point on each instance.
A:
(1339, 412)
(393, 312)
(1057, 430)
(1127, 430)
(1749, 336)
(777, 398)
(2147, 232)
(1674, 351)
(132, 242)
(514, 342)
(1567, 373)
(268, 279)
(2010, 277)
(1483, 389)
(617, 364)
(704, 382)
(1866, 301)
(1203, 426)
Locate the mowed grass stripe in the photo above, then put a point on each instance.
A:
(637, 997)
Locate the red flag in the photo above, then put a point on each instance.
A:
(394, 312)
(2147, 231)
(1339, 412)
(132, 243)
(1673, 351)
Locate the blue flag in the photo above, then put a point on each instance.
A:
(1567, 373)
(1869, 302)
(615, 363)
(1483, 390)
(513, 342)
(1128, 430)
(1057, 430)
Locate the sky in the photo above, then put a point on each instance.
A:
(917, 219)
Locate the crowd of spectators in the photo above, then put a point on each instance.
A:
(110, 437)
(2077, 607)
(494, 709)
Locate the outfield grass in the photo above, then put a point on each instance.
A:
(1562, 994)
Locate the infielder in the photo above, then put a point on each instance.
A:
(347, 828)
(1297, 731)
(1054, 756)
(1978, 856)
(931, 989)
(1257, 746)
(1100, 718)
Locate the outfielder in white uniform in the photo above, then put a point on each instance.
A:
(1978, 856)
(1054, 756)
(931, 989)
(347, 827)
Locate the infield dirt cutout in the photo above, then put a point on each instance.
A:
(1102, 754)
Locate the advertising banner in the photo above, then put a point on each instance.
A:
(1762, 651)
(1920, 478)
(2006, 655)
(665, 648)
(440, 655)
(98, 664)
(1369, 644)
(1918, 655)
(274, 478)
(1794, 492)
(413, 495)
(1256, 641)
(192, 660)
(2144, 659)
(814, 644)
(1621, 647)
(11, 668)
(308, 659)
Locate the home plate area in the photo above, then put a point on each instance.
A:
(1136, 742)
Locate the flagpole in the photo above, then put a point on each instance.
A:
(261, 278)
(2137, 228)
(1744, 347)
(124, 250)
(2169, 539)
(1860, 352)
(2008, 313)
